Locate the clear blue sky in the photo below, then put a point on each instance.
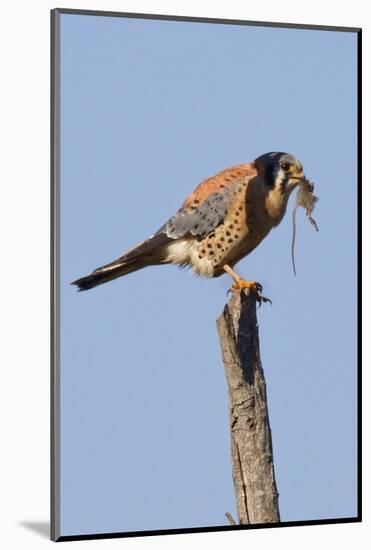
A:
(149, 109)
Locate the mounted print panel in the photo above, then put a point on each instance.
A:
(207, 145)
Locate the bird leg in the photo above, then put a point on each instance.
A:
(240, 285)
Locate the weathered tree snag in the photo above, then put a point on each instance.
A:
(251, 440)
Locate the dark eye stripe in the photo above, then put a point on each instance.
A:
(269, 175)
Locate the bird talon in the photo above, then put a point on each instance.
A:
(263, 299)
(252, 287)
(260, 299)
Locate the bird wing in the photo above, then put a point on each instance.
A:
(207, 207)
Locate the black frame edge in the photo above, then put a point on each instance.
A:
(130, 534)
(359, 269)
(213, 20)
(54, 275)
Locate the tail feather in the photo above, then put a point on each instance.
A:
(150, 252)
(106, 274)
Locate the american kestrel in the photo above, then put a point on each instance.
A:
(222, 221)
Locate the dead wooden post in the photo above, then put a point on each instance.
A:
(251, 440)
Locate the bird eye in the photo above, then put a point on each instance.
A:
(286, 166)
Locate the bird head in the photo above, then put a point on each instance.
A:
(280, 171)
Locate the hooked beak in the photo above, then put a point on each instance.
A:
(299, 176)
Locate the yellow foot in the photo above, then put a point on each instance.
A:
(253, 288)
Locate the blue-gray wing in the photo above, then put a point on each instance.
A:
(200, 220)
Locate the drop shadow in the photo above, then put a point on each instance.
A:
(42, 528)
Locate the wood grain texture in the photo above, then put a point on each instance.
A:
(251, 440)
